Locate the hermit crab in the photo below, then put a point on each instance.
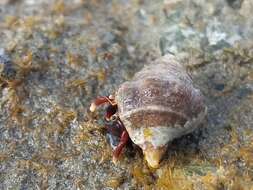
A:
(158, 105)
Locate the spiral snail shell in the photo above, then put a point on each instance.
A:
(158, 105)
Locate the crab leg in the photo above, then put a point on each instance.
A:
(102, 100)
(123, 141)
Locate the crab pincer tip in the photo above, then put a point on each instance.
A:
(93, 107)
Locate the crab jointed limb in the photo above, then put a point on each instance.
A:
(117, 128)
(123, 141)
(102, 100)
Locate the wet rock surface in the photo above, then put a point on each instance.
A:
(57, 56)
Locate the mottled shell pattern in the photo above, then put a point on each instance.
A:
(158, 105)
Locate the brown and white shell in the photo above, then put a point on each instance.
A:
(158, 105)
